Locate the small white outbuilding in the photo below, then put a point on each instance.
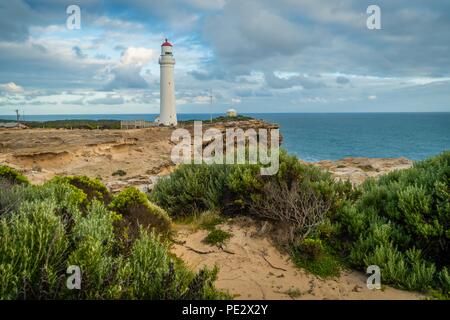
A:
(231, 113)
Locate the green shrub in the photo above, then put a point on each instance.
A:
(93, 188)
(209, 220)
(32, 251)
(194, 188)
(10, 197)
(191, 189)
(401, 223)
(51, 229)
(311, 255)
(298, 199)
(217, 237)
(311, 248)
(134, 206)
(444, 280)
(12, 176)
(151, 273)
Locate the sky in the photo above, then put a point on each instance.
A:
(253, 55)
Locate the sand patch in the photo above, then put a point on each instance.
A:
(251, 267)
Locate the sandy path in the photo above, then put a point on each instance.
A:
(255, 269)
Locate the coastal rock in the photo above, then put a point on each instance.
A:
(138, 154)
(356, 170)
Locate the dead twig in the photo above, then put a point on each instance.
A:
(270, 264)
(198, 251)
(225, 250)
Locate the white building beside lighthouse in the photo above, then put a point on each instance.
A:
(167, 113)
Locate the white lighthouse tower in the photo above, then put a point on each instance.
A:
(167, 112)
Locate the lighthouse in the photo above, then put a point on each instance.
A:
(167, 112)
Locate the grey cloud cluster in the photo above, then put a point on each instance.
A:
(342, 80)
(110, 99)
(298, 80)
(319, 35)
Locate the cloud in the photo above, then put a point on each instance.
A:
(372, 97)
(117, 24)
(248, 31)
(127, 74)
(205, 75)
(293, 81)
(78, 52)
(109, 100)
(261, 51)
(10, 87)
(15, 17)
(315, 36)
(47, 64)
(342, 80)
(206, 4)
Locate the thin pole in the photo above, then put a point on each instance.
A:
(210, 104)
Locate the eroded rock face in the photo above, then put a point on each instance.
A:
(356, 170)
(139, 155)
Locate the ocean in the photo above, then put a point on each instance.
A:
(321, 136)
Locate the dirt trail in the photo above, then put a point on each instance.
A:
(252, 268)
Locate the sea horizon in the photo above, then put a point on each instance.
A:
(13, 115)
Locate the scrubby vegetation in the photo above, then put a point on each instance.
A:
(139, 211)
(9, 175)
(45, 229)
(71, 124)
(297, 200)
(400, 222)
(236, 189)
(108, 124)
(313, 256)
(93, 188)
(217, 237)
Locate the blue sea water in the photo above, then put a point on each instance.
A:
(320, 136)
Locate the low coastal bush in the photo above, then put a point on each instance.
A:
(217, 237)
(134, 206)
(93, 188)
(8, 174)
(191, 189)
(49, 229)
(233, 189)
(401, 222)
(318, 261)
(298, 200)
